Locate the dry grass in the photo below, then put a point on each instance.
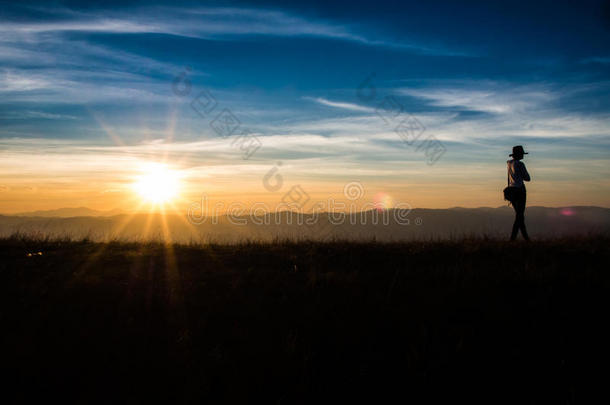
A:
(285, 322)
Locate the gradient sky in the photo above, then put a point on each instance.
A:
(87, 98)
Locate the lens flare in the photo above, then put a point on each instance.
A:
(382, 201)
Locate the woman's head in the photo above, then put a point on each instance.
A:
(518, 152)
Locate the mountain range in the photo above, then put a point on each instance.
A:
(390, 225)
(69, 212)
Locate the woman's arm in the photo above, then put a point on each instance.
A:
(524, 174)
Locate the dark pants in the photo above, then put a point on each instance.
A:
(519, 206)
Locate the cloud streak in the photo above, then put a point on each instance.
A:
(206, 23)
(494, 99)
(341, 105)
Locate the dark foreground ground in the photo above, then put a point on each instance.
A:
(303, 323)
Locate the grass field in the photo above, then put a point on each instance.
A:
(482, 320)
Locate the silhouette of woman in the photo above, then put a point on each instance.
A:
(517, 174)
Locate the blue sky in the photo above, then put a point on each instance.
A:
(87, 89)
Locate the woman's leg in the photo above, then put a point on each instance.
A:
(513, 234)
(522, 223)
(519, 224)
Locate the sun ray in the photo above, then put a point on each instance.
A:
(146, 230)
(103, 246)
(171, 126)
(107, 129)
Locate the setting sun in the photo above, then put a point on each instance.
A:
(157, 184)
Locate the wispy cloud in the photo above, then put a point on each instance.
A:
(597, 59)
(494, 99)
(19, 82)
(341, 105)
(26, 115)
(208, 23)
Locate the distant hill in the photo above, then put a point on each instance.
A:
(69, 212)
(418, 223)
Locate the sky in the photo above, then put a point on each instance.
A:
(414, 103)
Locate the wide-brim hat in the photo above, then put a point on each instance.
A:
(518, 150)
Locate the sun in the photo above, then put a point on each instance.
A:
(157, 184)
